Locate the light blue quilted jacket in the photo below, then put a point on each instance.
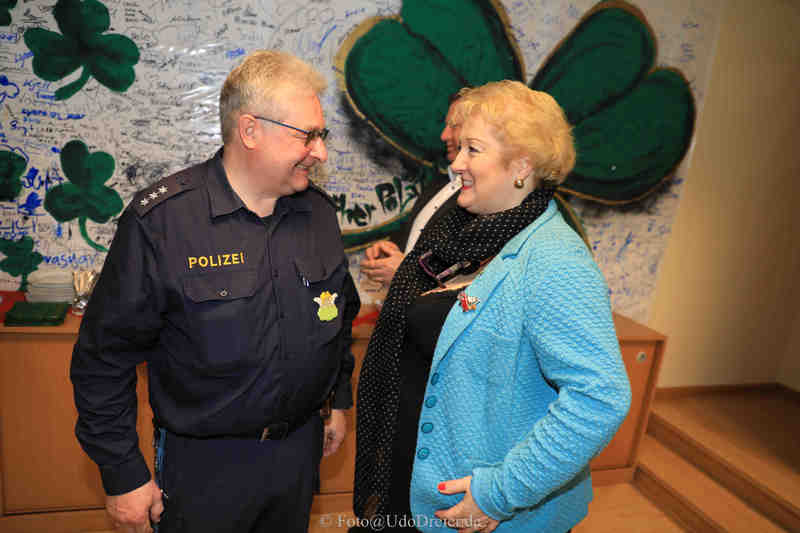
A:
(525, 389)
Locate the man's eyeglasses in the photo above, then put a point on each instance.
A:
(310, 134)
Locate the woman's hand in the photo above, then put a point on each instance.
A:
(465, 516)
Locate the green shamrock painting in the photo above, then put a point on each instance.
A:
(20, 259)
(5, 7)
(84, 196)
(108, 58)
(633, 123)
(11, 168)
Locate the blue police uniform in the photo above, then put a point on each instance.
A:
(245, 325)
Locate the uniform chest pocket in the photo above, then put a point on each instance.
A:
(223, 317)
(322, 279)
(220, 286)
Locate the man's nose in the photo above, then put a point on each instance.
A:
(319, 150)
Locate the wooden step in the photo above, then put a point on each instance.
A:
(721, 466)
(691, 497)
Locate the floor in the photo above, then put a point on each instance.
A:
(615, 509)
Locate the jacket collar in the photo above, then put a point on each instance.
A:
(485, 284)
(513, 246)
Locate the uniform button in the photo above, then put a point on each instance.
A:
(435, 378)
(427, 427)
(223, 293)
(423, 453)
(283, 315)
(275, 273)
(431, 401)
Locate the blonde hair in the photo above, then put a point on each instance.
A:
(530, 123)
(253, 86)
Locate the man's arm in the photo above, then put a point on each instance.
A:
(121, 324)
(336, 425)
(343, 391)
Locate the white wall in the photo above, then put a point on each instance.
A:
(727, 293)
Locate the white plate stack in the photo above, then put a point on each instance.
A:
(50, 286)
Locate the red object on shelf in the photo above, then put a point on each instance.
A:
(7, 301)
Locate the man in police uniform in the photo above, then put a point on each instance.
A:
(230, 281)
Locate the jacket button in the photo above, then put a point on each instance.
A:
(435, 378)
(223, 293)
(423, 453)
(427, 427)
(431, 401)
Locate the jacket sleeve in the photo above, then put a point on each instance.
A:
(343, 391)
(122, 322)
(570, 328)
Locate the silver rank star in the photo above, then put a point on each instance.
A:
(144, 201)
(162, 189)
(153, 195)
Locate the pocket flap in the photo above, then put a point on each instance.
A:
(312, 268)
(220, 286)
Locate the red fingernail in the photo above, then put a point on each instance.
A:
(442, 485)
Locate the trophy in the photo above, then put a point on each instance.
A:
(83, 281)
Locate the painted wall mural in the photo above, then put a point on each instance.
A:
(85, 195)
(99, 99)
(109, 58)
(633, 123)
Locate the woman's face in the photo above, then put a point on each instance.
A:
(488, 181)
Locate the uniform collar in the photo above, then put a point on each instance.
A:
(221, 196)
(224, 200)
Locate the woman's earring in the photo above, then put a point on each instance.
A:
(519, 183)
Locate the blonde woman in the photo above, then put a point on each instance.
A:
(524, 383)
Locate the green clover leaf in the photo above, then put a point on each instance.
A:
(11, 168)
(5, 7)
(417, 61)
(84, 195)
(109, 58)
(632, 123)
(20, 259)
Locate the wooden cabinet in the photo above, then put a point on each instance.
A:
(642, 350)
(47, 483)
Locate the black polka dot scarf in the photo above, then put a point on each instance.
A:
(456, 236)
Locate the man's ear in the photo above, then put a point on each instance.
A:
(247, 131)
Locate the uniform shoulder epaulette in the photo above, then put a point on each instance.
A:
(314, 187)
(165, 188)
